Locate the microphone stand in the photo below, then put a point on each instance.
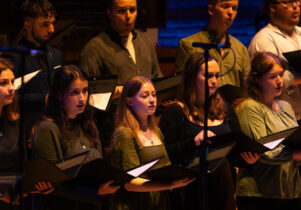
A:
(204, 149)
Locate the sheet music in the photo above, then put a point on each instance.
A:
(140, 170)
(273, 144)
(220, 152)
(27, 77)
(100, 100)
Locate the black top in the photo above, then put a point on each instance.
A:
(179, 134)
(8, 143)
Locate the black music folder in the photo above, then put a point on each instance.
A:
(294, 59)
(216, 155)
(230, 93)
(43, 170)
(101, 91)
(7, 180)
(290, 138)
(171, 172)
(99, 171)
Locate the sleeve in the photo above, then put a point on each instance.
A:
(183, 54)
(156, 72)
(171, 125)
(251, 119)
(246, 65)
(263, 42)
(90, 60)
(46, 143)
(124, 150)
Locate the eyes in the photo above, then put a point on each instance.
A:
(211, 75)
(5, 82)
(274, 76)
(123, 10)
(147, 94)
(76, 92)
(229, 6)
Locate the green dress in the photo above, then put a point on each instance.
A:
(275, 174)
(128, 153)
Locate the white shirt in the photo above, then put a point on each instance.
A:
(273, 40)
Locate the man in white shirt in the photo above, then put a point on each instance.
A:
(281, 35)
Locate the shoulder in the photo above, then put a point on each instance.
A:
(97, 41)
(249, 105)
(53, 50)
(284, 105)
(123, 133)
(47, 125)
(238, 45)
(175, 108)
(192, 38)
(263, 34)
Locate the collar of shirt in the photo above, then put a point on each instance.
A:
(212, 36)
(116, 37)
(30, 45)
(297, 30)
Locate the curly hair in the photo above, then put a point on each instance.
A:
(261, 64)
(10, 111)
(189, 93)
(54, 110)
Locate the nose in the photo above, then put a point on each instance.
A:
(11, 87)
(51, 28)
(213, 80)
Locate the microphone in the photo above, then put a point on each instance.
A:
(32, 52)
(208, 46)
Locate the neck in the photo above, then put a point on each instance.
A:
(32, 40)
(1, 108)
(143, 123)
(269, 101)
(287, 29)
(221, 32)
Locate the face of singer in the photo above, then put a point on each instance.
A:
(223, 12)
(213, 72)
(288, 14)
(123, 16)
(75, 98)
(144, 103)
(40, 29)
(7, 88)
(271, 83)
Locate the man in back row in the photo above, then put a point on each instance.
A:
(233, 68)
(120, 49)
(279, 36)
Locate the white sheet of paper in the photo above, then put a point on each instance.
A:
(140, 170)
(27, 77)
(273, 144)
(100, 100)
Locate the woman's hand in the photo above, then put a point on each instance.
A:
(250, 157)
(198, 139)
(107, 188)
(181, 182)
(44, 188)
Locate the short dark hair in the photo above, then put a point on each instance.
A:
(37, 8)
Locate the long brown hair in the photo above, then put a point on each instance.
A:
(261, 64)
(10, 111)
(189, 93)
(54, 110)
(125, 116)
